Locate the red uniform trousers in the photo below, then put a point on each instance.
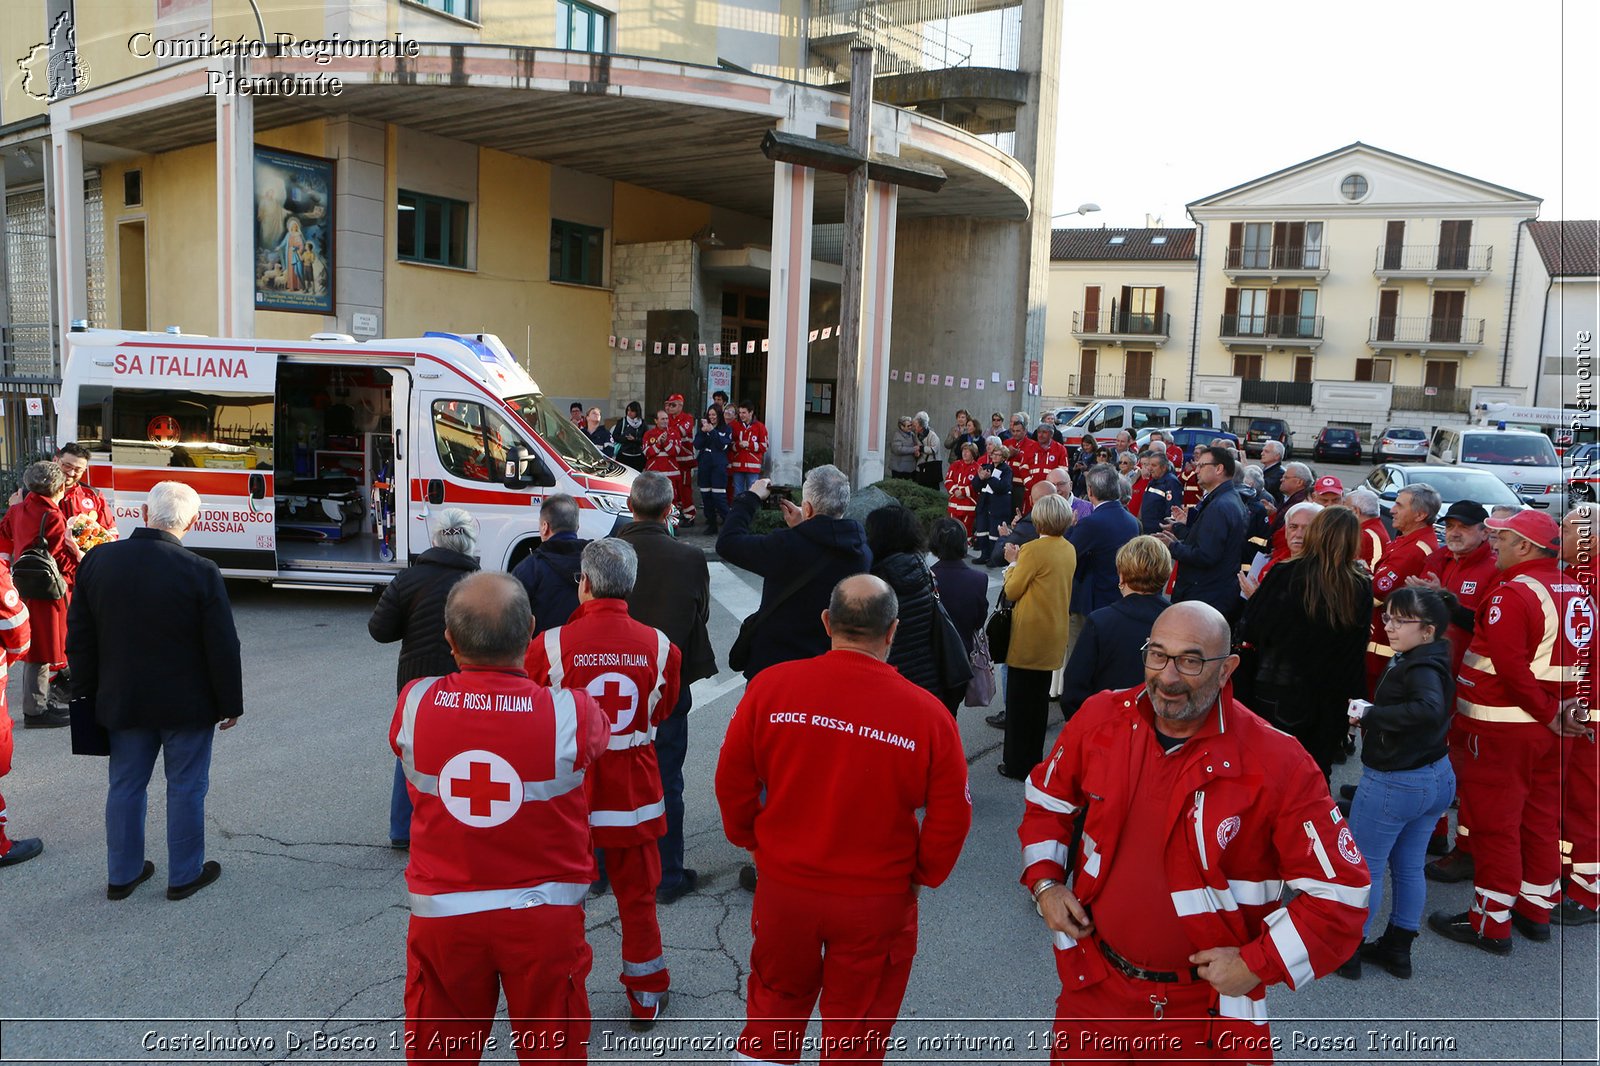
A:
(1580, 823)
(635, 874)
(456, 967)
(1512, 778)
(963, 510)
(856, 951)
(683, 489)
(1114, 1021)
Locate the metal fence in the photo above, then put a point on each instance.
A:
(1430, 398)
(1294, 327)
(1471, 258)
(1131, 323)
(1426, 329)
(1136, 387)
(1282, 393)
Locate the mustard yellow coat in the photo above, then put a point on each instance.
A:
(1040, 584)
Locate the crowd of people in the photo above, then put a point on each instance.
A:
(1173, 607)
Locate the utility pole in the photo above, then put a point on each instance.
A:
(845, 396)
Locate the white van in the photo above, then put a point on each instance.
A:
(1103, 419)
(320, 462)
(1523, 459)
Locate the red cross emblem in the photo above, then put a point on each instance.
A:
(1579, 621)
(480, 789)
(618, 696)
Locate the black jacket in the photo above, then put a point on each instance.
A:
(1160, 497)
(912, 651)
(965, 595)
(411, 610)
(1409, 720)
(1274, 478)
(1097, 538)
(551, 577)
(1208, 553)
(1257, 527)
(1022, 531)
(1108, 652)
(794, 630)
(150, 633)
(629, 441)
(673, 594)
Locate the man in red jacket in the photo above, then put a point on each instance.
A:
(1409, 554)
(681, 424)
(1580, 818)
(1516, 699)
(841, 863)
(500, 854)
(749, 450)
(1177, 817)
(13, 642)
(1044, 454)
(631, 671)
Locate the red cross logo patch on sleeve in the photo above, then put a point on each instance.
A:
(618, 696)
(480, 789)
(1579, 622)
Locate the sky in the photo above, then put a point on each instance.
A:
(1167, 101)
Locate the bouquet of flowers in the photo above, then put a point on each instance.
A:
(87, 532)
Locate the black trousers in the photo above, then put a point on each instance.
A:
(1027, 716)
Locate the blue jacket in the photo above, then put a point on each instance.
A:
(1108, 652)
(1208, 553)
(551, 577)
(712, 449)
(1160, 497)
(1098, 538)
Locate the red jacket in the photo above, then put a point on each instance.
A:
(749, 447)
(631, 671)
(495, 765)
(1043, 459)
(1469, 579)
(958, 485)
(1407, 556)
(661, 451)
(1020, 450)
(682, 424)
(848, 752)
(1251, 814)
(13, 642)
(81, 499)
(1374, 539)
(1530, 641)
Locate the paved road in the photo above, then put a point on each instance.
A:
(305, 931)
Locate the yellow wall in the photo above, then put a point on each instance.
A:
(640, 215)
(22, 27)
(1064, 298)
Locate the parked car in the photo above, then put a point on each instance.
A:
(1452, 483)
(1400, 442)
(1523, 458)
(1334, 444)
(1583, 484)
(1581, 455)
(1066, 414)
(1103, 419)
(1264, 429)
(1189, 438)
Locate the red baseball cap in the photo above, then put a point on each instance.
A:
(677, 396)
(1535, 526)
(1328, 483)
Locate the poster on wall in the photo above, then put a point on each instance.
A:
(294, 232)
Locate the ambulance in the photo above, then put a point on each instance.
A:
(322, 462)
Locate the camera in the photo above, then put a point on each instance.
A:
(776, 493)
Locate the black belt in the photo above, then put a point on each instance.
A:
(1139, 973)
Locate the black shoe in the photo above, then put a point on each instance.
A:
(747, 877)
(21, 851)
(1350, 969)
(1450, 869)
(1458, 927)
(598, 888)
(996, 720)
(209, 872)
(1538, 932)
(1347, 792)
(1392, 950)
(400, 845)
(50, 719)
(1571, 912)
(1438, 845)
(686, 884)
(1007, 773)
(1344, 806)
(124, 891)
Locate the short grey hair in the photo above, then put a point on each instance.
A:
(1501, 510)
(1275, 445)
(865, 614)
(1299, 470)
(44, 477)
(612, 566)
(1126, 456)
(1254, 476)
(1425, 496)
(1364, 502)
(827, 490)
(171, 506)
(650, 498)
(560, 512)
(1020, 416)
(1304, 505)
(454, 529)
(1101, 482)
(922, 417)
(992, 441)
(482, 633)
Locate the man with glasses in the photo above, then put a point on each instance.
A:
(1409, 554)
(1207, 539)
(1157, 859)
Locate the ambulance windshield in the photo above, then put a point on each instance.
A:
(569, 442)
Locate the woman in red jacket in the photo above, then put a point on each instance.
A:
(39, 514)
(958, 486)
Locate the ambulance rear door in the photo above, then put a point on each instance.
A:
(195, 411)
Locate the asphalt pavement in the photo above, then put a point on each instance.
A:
(297, 953)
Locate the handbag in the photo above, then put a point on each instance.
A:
(35, 572)
(739, 654)
(89, 737)
(998, 629)
(949, 650)
(981, 689)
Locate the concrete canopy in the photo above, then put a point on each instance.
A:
(690, 131)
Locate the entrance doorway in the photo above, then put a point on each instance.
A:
(133, 291)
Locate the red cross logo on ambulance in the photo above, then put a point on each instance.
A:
(480, 789)
(1579, 623)
(618, 696)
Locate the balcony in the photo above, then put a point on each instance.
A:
(1435, 398)
(1425, 333)
(1434, 262)
(1088, 387)
(1116, 327)
(1272, 331)
(1278, 261)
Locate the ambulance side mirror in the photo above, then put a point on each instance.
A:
(512, 477)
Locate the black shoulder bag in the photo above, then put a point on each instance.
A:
(739, 654)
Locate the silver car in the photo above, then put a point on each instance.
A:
(1400, 442)
(1451, 482)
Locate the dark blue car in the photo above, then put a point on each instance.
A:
(1188, 438)
(1336, 444)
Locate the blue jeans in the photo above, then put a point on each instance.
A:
(742, 481)
(672, 747)
(399, 806)
(1392, 817)
(186, 759)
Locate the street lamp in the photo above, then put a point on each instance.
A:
(1083, 209)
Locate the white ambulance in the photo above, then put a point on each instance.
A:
(321, 462)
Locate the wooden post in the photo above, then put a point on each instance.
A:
(845, 398)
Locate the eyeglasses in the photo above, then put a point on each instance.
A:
(1188, 665)
(1391, 620)
(1208, 462)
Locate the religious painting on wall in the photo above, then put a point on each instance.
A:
(294, 232)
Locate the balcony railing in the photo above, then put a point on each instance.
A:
(1276, 257)
(1274, 327)
(1434, 259)
(1430, 398)
(1125, 323)
(1398, 331)
(1292, 393)
(1118, 385)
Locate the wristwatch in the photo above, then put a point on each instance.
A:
(1040, 887)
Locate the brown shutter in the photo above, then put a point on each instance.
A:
(1388, 308)
(1161, 324)
(1091, 309)
(1394, 242)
